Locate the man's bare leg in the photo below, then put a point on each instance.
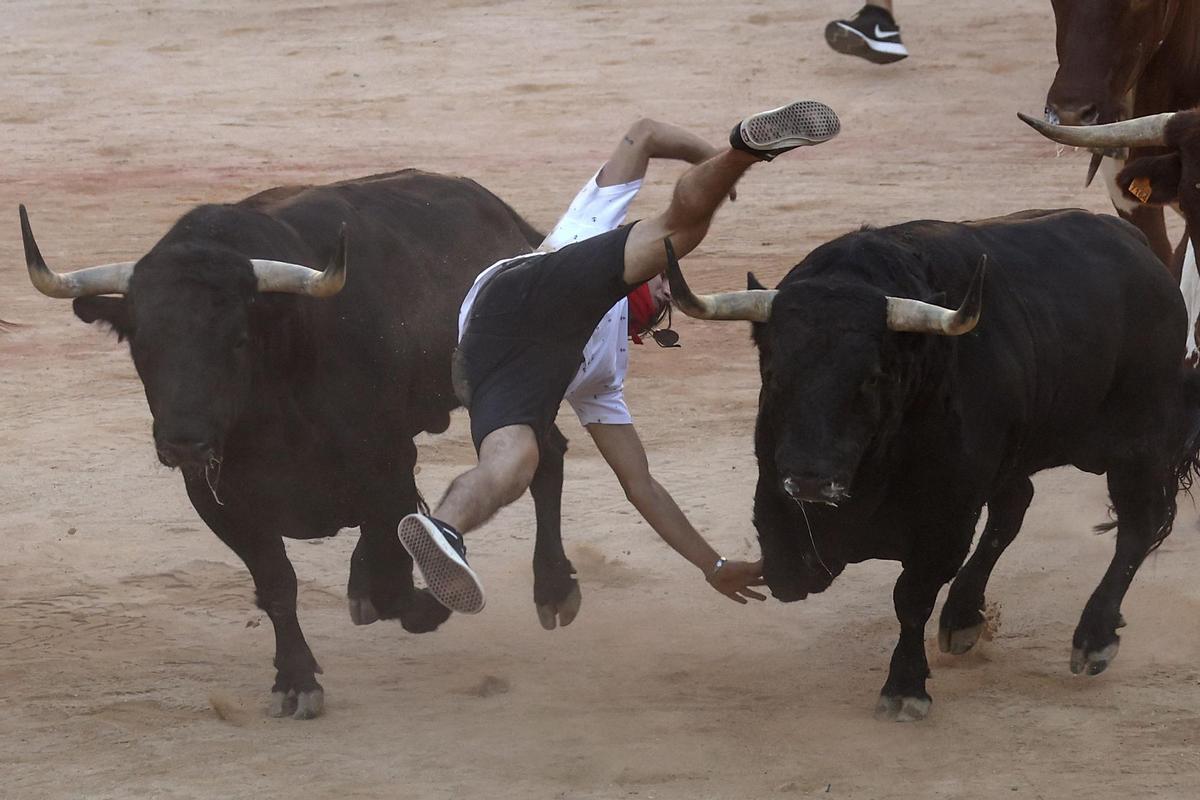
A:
(508, 457)
(701, 190)
(698, 194)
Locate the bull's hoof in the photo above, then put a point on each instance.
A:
(958, 641)
(902, 709)
(563, 613)
(297, 705)
(1093, 662)
(363, 611)
(423, 614)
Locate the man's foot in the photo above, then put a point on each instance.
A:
(440, 553)
(769, 133)
(872, 34)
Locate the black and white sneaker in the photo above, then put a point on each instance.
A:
(440, 553)
(872, 34)
(769, 133)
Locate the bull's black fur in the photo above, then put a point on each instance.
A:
(1076, 360)
(311, 405)
(1174, 178)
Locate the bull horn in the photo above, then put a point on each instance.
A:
(1139, 132)
(753, 305)
(913, 316)
(283, 276)
(104, 279)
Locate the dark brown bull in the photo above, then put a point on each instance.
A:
(288, 397)
(1119, 59)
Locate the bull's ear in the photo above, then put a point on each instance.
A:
(1153, 180)
(756, 328)
(110, 311)
(757, 334)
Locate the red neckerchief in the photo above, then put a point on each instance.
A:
(642, 312)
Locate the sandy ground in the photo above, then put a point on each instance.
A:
(134, 663)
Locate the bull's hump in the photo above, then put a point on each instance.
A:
(1028, 215)
(273, 198)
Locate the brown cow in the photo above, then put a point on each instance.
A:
(1155, 181)
(1119, 59)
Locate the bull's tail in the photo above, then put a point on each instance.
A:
(1185, 466)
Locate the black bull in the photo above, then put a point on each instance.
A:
(873, 443)
(292, 415)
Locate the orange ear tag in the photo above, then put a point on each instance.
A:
(1140, 188)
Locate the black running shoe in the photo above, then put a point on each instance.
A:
(769, 133)
(872, 34)
(441, 555)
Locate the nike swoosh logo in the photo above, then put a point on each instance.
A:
(880, 34)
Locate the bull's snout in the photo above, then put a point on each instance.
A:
(1081, 113)
(792, 579)
(787, 592)
(184, 453)
(814, 490)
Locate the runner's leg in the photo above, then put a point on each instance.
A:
(698, 195)
(508, 458)
(702, 189)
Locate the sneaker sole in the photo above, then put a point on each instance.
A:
(806, 122)
(847, 40)
(448, 577)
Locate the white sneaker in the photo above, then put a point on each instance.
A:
(441, 555)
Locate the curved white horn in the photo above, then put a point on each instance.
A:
(913, 316)
(753, 305)
(1139, 132)
(104, 279)
(283, 276)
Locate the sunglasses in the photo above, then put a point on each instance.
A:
(665, 337)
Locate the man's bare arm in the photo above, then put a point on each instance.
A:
(647, 139)
(622, 449)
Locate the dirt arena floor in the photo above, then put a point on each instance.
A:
(133, 662)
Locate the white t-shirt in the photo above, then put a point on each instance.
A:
(597, 392)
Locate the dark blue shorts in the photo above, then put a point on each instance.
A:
(525, 336)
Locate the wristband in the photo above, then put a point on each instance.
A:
(712, 573)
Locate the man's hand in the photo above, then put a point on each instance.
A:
(734, 579)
